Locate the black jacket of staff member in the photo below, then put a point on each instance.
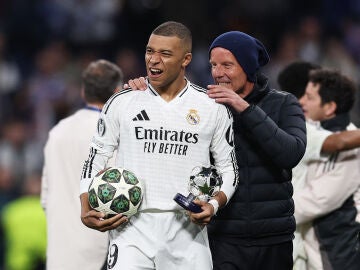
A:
(270, 139)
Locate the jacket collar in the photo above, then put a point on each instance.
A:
(261, 88)
(337, 123)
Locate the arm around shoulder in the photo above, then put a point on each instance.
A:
(341, 141)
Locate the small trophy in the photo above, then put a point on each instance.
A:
(203, 184)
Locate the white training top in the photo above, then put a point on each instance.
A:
(161, 142)
(329, 182)
(315, 136)
(70, 244)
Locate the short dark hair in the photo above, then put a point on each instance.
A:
(334, 87)
(100, 79)
(172, 28)
(295, 76)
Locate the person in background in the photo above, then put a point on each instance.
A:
(325, 209)
(24, 228)
(20, 155)
(70, 245)
(320, 142)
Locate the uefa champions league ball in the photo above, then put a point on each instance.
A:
(116, 190)
(204, 182)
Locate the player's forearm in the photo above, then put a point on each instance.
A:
(85, 206)
(230, 181)
(341, 141)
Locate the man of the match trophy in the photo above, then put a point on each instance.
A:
(204, 183)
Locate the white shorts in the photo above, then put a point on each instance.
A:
(161, 241)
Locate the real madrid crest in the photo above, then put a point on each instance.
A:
(101, 127)
(193, 118)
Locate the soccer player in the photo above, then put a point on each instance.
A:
(325, 207)
(70, 244)
(320, 142)
(161, 134)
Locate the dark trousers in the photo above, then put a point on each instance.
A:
(238, 257)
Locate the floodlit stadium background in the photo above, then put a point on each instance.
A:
(45, 44)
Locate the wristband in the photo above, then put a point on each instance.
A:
(215, 204)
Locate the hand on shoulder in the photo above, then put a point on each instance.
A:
(136, 84)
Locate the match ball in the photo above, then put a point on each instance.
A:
(115, 191)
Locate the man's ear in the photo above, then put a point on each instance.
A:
(187, 59)
(330, 108)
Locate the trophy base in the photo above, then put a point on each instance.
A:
(187, 203)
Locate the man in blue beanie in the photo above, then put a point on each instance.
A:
(254, 231)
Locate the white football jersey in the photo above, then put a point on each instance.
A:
(161, 142)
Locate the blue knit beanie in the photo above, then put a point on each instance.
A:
(250, 53)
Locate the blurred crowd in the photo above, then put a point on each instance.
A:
(45, 44)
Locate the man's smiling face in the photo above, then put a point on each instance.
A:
(226, 70)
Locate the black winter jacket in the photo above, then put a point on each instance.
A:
(270, 139)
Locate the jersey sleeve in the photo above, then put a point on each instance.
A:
(315, 139)
(223, 151)
(104, 143)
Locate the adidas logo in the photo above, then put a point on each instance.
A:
(142, 116)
